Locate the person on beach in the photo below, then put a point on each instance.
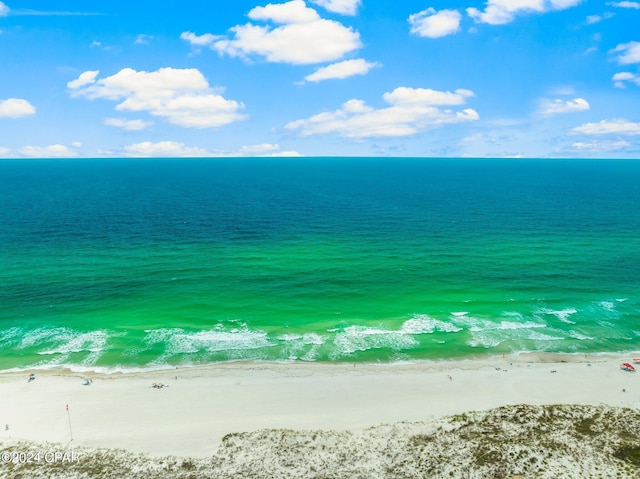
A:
(31, 377)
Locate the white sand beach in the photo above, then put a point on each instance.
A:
(200, 405)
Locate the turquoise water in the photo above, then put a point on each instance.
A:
(116, 264)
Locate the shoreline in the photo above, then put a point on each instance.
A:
(202, 404)
(520, 356)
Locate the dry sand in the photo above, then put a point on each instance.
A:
(201, 405)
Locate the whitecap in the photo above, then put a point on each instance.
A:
(301, 346)
(363, 338)
(425, 324)
(42, 335)
(580, 336)
(607, 305)
(11, 335)
(93, 342)
(511, 325)
(537, 336)
(307, 338)
(562, 314)
(484, 341)
(178, 341)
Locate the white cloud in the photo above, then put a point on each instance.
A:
(599, 146)
(51, 151)
(86, 78)
(294, 11)
(16, 108)
(4, 152)
(500, 12)
(4, 10)
(343, 7)
(617, 126)
(259, 149)
(143, 39)
(593, 19)
(173, 149)
(164, 149)
(554, 107)
(130, 125)
(432, 24)
(264, 149)
(417, 97)
(628, 53)
(182, 96)
(300, 37)
(619, 79)
(287, 153)
(634, 5)
(411, 110)
(341, 70)
(199, 40)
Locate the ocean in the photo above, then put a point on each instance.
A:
(126, 264)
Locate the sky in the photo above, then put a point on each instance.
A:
(408, 78)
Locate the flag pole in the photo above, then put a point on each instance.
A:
(69, 417)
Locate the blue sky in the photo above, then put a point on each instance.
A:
(499, 78)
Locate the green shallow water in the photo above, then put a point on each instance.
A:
(126, 264)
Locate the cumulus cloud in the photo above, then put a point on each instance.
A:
(433, 24)
(617, 126)
(182, 96)
(343, 7)
(4, 152)
(173, 149)
(130, 125)
(164, 149)
(599, 146)
(199, 40)
(627, 53)
(619, 79)
(634, 5)
(555, 107)
(259, 149)
(411, 110)
(16, 108)
(4, 10)
(341, 70)
(51, 151)
(263, 149)
(143, 39)
(593, 19)
(86, 78)
(500, 12)
(296, 34)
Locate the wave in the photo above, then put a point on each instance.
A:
(425, 324)
(177, 341)
(363, 338)
(415, 336)
(302, 346)
(562, 314)
(11, 336)
(607, 305)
